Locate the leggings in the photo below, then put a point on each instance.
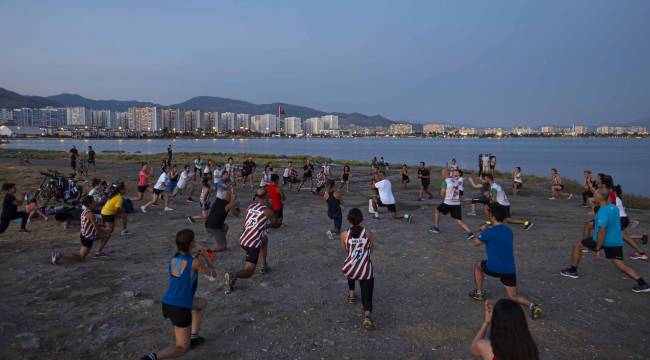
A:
(338, 221)
(586, 195)
(366, 292)
(5, 221)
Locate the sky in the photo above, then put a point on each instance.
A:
(480, 63)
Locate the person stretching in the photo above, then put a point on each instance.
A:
(10, 211)
(557, 187)
(499, 200)
(89, 233)
(450, 191)
(386, 198)
(334, 200)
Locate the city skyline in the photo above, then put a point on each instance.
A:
(483, 64)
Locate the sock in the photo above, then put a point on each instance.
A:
(573, 268)
(194, 336)
(641, 282)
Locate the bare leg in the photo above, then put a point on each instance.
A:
(630, 241)
(576, 255)
(198, 309)
(182, 336)
(511, 291)
(478, 277)
(436, 218)
(463, 226)
(264, 252)
(620, 265)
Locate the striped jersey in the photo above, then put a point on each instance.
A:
(255, 226)
(357, 266)
(88, 230)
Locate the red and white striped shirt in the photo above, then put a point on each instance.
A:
(87, 228)
(255, 226)
(357, 266)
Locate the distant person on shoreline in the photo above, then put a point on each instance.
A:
(91, 157)
(248, 171)
(198, 167)
(74, 156)
(424, 174)
(557, 187)
(170, 154)
(517, 181)
(307, 176)
(404, 173)
(345, 178)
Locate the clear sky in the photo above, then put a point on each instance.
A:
(478, 63)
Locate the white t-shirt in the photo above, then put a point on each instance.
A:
(385, 192)
(621, 208)
(502, 199)
(217, 173)
(452, 192)
(161, 184)
(286, 172)
(229, 168)
(185, 176)
(461, 183)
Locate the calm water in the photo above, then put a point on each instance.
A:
(627, 159)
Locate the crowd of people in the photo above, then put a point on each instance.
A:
(106, 203)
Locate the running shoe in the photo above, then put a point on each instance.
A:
(641, 288)
(367, 324)
(169, 209)
(471, 213)
(230, 280)
(125, 232)
(477, 295)
(101, 254)
(144, 209)
(409, 218)
(469, 235)
(488, 222)
(570, 197)
(569, 273)
(528, 225)
(149, 356)
(535, 311)
(375, 216)
(552, 198)
(435, 230)
(638, 256)
(585, 205)
(189, 218)
(265, 269)
(196, 341)
(55, 257)
(189, 199)
(330, 235)
(24, 231)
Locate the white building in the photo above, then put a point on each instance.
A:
(314, 125)
(330, 122)
(435, 128)
(20, 131)
(6, 116)
(293, 125)
(102, 118)
(243, 121)
(228, 120)
(78, 116)
(400, 129)
(145, 118)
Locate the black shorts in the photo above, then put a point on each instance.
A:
(518, 185)
(86, 242)
(91, 161)
(346, 177)
(252, 254)
(454, 210)
(615, 252)
(108, 218)
(180, 317)
(142, 188)
(509, 279)
(501, 209)
(425, 184)
(279, 214)
(625, 222)
(157, 191)
(481, 200)
(305, 176)
(391, 207)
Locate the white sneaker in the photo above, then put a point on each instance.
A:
(551, 198)
(330, 235)
(144, 209)
(471, 213)
(125, 232)
(169, 209)
(570, 197)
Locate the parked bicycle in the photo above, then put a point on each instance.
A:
(55, 186)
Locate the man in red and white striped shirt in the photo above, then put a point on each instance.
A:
(253, 239)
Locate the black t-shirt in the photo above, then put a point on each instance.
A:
(74, 154)
(9, 209)
(309, 169)
(249, 165)
(91, 155)
(424, 172)
(217, 214)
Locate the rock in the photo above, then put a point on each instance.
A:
(28, 340)
(142, 304)
(130, 293)
(609, 300)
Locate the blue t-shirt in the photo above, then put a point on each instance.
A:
(498, 241)
(609, 217)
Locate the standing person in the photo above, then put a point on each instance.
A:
(327, 169)
(143, 179)
(606, 236)
(90, 232)
(499, 201)
(215, 222)
(91, 157)
(334, 200)
(266, 175)
(10, 211)
(74, 156)
(185, 181)
(207, 170)
(204, 200)
(248, 170)
(345, 178)
(509, 334)
(169, 154)
(254, 239)
(286, 175)
(358, 243)
(557, 187)
(453, 166)
(307, 175)
(229, 169)
(158, 192)
(517, 180)
(179, 305)
(425, 178)
(277, 198)
(386, 198)
(174, 176)
(499, 249)
(198, 166)
(450, 191)
(321, 179)
(589, 187)
(217, 176)
(404, 172)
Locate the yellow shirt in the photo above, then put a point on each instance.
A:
(112, 205)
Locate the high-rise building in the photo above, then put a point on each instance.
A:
(6, 116)
(293, 125)
(78, 116)
(209, 121)
(145, 118)
(546, 129)
(192, 120)
(228, 120)
(400, 129)
(580, 129)
(52, 117)
(268, 124)
(102, 118)
(314, 125)
(23, 117)
(435, 128)
(121, 120)
(243, 121)
(330, 122)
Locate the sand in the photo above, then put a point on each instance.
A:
(111, 308)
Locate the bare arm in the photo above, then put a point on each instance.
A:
(344, 243)
(338, 196)
(371, 239)
(272, 219)
(480, 346)
(201, 267)
(601, 237)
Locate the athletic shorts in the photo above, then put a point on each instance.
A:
(206, 206)
(86, 242)
(615, 252)
(346, 177)
(252, 254)
(219, 236)
(507, 279)
(108, 218)
(171, 186)
(279, 214)
(180, 317)
(625, 222)
(91, 161)
(142, 188)
(305, 176)
(502, 209)
(518, 185)
(391, 207)
(481, 200)
(157, 191)
(455, 211)
(425, 184)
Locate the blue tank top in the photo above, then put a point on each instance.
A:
(182, 281)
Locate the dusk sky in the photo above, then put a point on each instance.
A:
(480, 63)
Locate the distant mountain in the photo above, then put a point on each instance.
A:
(115, 105)
(13, 100)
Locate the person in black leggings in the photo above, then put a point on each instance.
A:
(10, 209)
(333, 199)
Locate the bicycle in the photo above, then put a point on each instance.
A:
(55, 186)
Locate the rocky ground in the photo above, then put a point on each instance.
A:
(110, 308)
